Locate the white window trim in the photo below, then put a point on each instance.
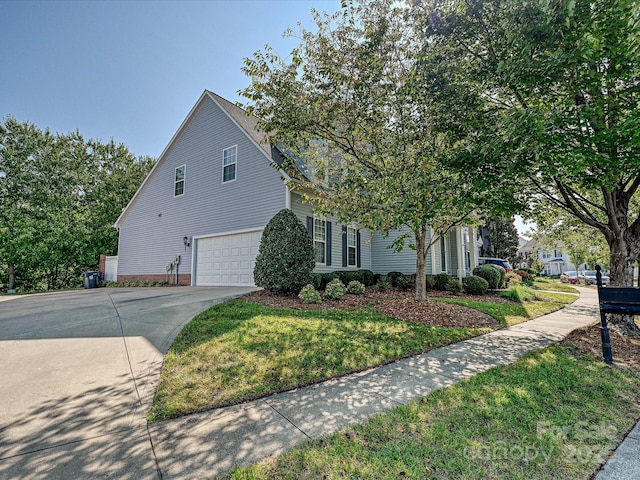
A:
(443, 253)
(235, 176)
(354, 246)
(175, 182)
(320, 219)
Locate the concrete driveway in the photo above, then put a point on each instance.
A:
(78, 372)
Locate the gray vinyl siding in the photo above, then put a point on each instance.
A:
(386, 259)
(303, 211)
(151, 233)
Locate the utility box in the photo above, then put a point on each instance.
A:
(91, 279)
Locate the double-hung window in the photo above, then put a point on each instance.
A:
(178, 187)
(320, 239)
(352, 247)
(229, 162)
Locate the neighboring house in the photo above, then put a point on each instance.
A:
(556, 261)
(198, 217)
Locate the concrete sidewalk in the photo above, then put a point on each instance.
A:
(210, 443)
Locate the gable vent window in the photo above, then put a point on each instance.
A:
(229, 161)
(178, 188)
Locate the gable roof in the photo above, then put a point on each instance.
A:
(247, 124)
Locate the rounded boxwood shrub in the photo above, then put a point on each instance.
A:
(325, 278)
(383, 283)
(368, 279)
(441, 280)
(503, 274)
(355, 288)
(286, 257)
(430, 282)
(309, 294)
(489, 273)
(335, 289)
(317, 281)
(394, 278)
(453, 286)
(475, 285)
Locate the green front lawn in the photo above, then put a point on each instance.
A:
(550, 415)
(239, 351)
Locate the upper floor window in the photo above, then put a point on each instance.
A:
(178, 188)
(320, 239)
(229, 161)
(352, 247)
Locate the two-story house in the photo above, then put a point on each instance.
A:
(198, 216)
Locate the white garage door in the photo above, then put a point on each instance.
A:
(227, 259)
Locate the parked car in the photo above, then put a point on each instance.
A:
(496, 261)
(588, 277)
(570, 276)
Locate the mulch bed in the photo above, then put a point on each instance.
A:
(587, 340)
(396, 303)
(401, 305)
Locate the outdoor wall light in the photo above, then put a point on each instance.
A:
(187, 241)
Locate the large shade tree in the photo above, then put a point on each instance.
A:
(59, 198)
(362, 112)
(561, 83)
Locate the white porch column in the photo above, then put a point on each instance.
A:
(460, 247)
(473, 248)
(434, 268)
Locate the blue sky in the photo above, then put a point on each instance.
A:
(132, 70)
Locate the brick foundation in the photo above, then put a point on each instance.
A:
(185, 278)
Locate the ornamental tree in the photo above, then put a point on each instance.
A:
(362, 114)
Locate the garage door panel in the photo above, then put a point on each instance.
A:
(227, 259)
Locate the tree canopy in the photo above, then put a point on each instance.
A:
(560, 83)
(59, 198)
(363, 114)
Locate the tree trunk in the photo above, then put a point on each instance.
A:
(624, 251)
(12, 276)
(421, 263)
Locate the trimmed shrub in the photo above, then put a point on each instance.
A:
(453, 286)
(309, 294)
(335, 289)
(474, 285)
(355, 288)
(441, 280)
(368, 279)
(489, 273)
(503, 274)
(513, 278)
(394, 277)
(286, 257)
(383, 283)
(430, 282)
(326, 278)
(347, 276)
(403, 283)
(317, 281)
(530, 271)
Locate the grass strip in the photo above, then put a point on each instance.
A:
(550, 415)
(513, 313)
(541, 283)
(238, 351)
